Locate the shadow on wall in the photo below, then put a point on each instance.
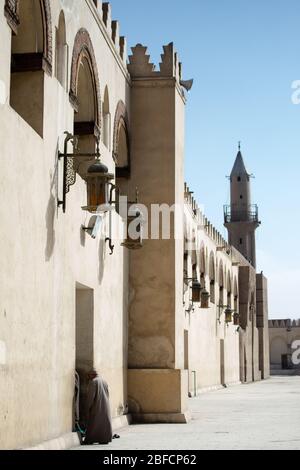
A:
(50, 214)
(51, 211)
(82, 237)
(102, 253)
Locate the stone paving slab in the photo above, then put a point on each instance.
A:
(263, 415)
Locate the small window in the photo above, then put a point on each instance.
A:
(241, 241)
(239, 178)
(61, 57)
(106, 120)
(241, 196)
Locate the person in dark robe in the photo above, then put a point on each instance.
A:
(76, 400)
(99, 423)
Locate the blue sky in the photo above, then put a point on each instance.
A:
(244, 56)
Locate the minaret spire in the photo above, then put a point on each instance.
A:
(241, 217)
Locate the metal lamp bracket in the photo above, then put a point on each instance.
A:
(69, 172)
(109, 238)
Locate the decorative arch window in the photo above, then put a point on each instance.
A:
(212, 277)
(121, 149)
(121, 146)
(106, 120)
(236, 296)
(61, 52)
(202, 266)
(31, 57)
(85, 97)
(229, 291)
(221, 284)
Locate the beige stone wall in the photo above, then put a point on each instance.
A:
(44, 253)
(208, 333)
(60, 288)
(282, 335)
(155, 312)
(263, 324)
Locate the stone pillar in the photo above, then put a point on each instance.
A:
(249, 338)
(263, 324)
(157, 381)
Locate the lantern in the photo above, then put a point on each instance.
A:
(236, 319)
(134, 240)
(196, 291)
(205, 299)
(97, 180)
(228, 315)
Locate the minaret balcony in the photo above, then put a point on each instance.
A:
(241, 213)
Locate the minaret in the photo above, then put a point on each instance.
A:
(241, 217)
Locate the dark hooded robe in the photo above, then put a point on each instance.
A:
(99, 426)
(76, 401)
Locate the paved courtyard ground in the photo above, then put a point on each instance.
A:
(263, 415)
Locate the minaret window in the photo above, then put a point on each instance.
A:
(239, 178)
(241, 241)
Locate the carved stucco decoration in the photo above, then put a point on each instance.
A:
(121, 119)
(83, 48)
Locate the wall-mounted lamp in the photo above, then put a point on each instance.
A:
(228, 313)
(97, 172)
(135, 222)
(199, 293)
(99, 193)
(205, 296)
(196, 291)
(98, 182)
(134, 236)
(236, 319)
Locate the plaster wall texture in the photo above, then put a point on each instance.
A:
(155, 312)
(65, 302)
(263, 324)
(39, 273)
(207, 328)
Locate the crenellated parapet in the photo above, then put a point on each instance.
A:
(287, 323)
(112, 28)
(170, 65)
(202, 221)
(139, 62)
(140, 65)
